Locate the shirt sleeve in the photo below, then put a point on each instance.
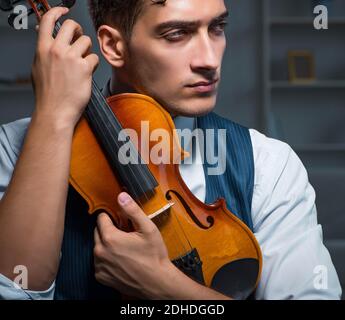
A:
(9, 291)
(296, 264)
(11, 139)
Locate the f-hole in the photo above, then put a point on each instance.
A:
(209, 219)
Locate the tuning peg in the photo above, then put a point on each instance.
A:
(7, 5)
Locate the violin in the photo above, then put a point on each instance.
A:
(207, 242)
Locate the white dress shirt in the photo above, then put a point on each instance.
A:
(283, 213)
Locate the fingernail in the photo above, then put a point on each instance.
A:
(124, 198)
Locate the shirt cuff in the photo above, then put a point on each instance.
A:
(10, 291)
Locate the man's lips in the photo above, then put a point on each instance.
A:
(204, 86)
(203, 83)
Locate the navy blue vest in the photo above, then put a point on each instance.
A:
(76, 279)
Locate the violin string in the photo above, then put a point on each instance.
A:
(109, 134)
(95, 118)
(160, 218)
(183, 231)
(180, 240)
(184, 250)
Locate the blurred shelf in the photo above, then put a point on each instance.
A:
(336, 173)
(318, 84)
(320, 147)
(3, 19)
(7, 27)
(337, 243)
(300, 21)
(15, 88)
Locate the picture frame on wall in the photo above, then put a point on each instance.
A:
(301, 64)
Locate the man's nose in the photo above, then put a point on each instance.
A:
(205, 57)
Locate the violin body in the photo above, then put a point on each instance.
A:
(204, 241)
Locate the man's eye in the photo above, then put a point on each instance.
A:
(219, 28)
(176, 35)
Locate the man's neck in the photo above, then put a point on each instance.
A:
(117, 87)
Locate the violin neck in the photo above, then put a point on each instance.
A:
(135, 176)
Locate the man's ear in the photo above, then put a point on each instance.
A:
(112, 45)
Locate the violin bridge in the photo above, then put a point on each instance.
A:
(160, 211)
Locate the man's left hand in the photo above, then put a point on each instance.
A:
(135, 263)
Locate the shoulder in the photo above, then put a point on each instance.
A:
(280, 176)
(272, 155)
(269, 155)
(265, 148)
(266, 151)
(12, 134)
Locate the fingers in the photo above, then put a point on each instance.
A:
(70, 37)
(93, 61)
(132, 211)
(45, 35)
(97, 236)
(104, 223)
(69, 32)
(82, 46)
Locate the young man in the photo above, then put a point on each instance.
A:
(172, 51)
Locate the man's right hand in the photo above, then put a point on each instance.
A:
(32, 211)
(62, 70)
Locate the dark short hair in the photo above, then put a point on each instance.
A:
(120, 13)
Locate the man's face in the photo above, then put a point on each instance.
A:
(175, 54)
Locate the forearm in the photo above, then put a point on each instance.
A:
(33, 207)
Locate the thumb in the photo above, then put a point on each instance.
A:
(132, 211)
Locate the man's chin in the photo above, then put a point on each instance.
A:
(193, 112)
(194, 107)
(199, 107)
